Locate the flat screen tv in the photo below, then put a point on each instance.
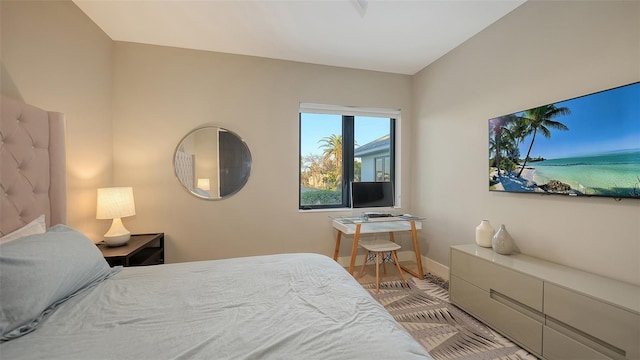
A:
(586, 146)
(371, 194)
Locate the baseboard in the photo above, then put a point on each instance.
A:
(428, 265)
(435, 268)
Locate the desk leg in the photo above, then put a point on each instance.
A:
(335, 252)
(416, 249)
(391, 237)
(354, 249)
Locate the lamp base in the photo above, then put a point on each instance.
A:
(114, 241)
(117, 235)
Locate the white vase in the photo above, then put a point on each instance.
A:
(502, 242)
(484, 233)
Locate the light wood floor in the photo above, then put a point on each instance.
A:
(369, 275)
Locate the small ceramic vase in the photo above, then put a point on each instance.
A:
(502, 242)
(484, 233)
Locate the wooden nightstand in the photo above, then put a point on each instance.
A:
(140, 250)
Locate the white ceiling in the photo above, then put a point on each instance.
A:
(397, 36)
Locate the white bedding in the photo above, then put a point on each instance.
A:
(290, 306)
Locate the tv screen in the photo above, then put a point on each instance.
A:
(586, 146)
(371, 194)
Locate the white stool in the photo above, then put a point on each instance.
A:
(380, 247)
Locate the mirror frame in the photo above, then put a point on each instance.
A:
(249, 162)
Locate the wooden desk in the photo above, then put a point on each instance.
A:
(356, 226)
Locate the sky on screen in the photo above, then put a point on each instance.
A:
(599, 123)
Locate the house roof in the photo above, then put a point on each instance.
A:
(380, 145)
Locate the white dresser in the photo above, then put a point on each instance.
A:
(553, 311)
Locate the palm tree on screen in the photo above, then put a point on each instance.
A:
(540, 120)
(501, 140)
(516, 132)
(497, 126)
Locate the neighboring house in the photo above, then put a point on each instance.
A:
(375, 158)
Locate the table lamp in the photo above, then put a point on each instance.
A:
(204, 184)
(115, 203)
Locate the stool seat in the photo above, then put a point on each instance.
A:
(382, 246)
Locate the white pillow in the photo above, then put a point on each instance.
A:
(35, 227)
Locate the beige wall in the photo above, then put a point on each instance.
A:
(541, 53)
(161, 93)
(54, 57)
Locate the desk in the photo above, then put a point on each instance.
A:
(357, 225)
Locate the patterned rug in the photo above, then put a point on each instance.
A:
(444, 330)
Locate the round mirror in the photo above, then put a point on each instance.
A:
(212, 163)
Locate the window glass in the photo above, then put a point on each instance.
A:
(336, 149)
(320, 159)
(372, 145)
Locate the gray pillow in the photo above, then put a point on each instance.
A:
(41, 271)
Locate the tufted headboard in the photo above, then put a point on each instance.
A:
(32, 165)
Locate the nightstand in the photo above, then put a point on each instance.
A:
(140, 250)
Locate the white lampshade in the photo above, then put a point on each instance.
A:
(115, 203)
(204, 184)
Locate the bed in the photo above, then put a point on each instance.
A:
(60, 300)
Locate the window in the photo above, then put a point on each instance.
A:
(339, 145)
(383, 165)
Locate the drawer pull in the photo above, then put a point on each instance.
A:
(516, 305)
(582, 337)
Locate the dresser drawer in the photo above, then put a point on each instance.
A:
(610, 326)
(560, 347)
(489, 276)
(519, 327)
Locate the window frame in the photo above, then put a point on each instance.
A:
(348, 161)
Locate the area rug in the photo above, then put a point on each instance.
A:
(444, 330)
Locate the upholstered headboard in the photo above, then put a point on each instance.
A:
(32, 165)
